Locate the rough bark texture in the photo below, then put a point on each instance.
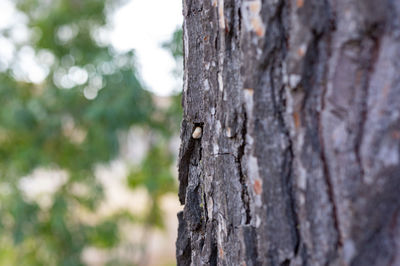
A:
(299, 161)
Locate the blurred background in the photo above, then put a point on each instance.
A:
(89, 122)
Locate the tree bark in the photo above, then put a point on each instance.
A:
(299, 160)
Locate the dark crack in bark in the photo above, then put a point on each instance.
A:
(243, 178)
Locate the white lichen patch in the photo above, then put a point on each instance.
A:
(228, 132)
(289, 101)
(249, 140)
(218, 127)
(186, 47)
(285, 76)
(302, 199)
(221, 14)
(254, 176)
(206, 85)
(185, 83)
(258, 221)
(215, 148)
(186, 40)
(221, 232)
(285, 79)
(220, 82)
(294, 80)
(302, 177)
(248, 99)
(252, 18)
(210, 207)
(212, 110)
(388, 153)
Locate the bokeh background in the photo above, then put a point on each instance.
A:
(89, 123)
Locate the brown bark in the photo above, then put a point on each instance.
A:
(299, 161)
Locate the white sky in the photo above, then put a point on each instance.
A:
(142, 25)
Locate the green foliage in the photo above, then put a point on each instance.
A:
(175, 44)
(71, 121)
(175, 47)
(104, 235)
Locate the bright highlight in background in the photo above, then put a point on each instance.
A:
(144, 25)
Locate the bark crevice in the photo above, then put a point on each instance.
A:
(322, 153)
(242, 178)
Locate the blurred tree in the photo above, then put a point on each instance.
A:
(70, 121)
(175, 47)
(175, 44)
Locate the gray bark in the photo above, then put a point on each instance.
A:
(299, 161)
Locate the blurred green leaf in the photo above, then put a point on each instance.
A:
(104, 235)
(71, 121)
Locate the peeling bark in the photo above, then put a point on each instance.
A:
(299, 158)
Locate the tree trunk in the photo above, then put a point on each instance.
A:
(299, 158)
